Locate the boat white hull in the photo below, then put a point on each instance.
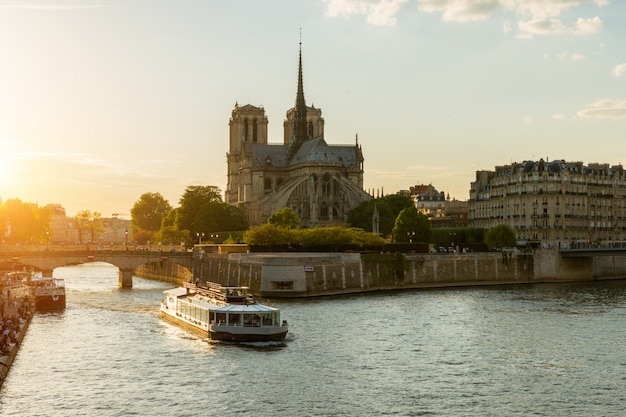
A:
(248, 334)
(228, 333)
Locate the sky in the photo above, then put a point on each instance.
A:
(102, 101)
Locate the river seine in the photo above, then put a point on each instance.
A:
(542, 350)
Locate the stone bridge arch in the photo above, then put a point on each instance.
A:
(126, 261)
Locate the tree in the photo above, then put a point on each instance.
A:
(285, 217)
(90, 222)
(411, 226)
(194, 197)
(148, 212)
(237, 217)
(500, 236)
(276, 236)
(388, 209)
(25, 222)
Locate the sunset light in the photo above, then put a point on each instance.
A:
(105, 101)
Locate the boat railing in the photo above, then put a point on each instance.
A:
(230, 295)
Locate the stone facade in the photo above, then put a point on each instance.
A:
(320, 182)
(557, 203)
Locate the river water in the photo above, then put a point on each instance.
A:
(543, 350)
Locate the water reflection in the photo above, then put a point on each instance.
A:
(514, 351)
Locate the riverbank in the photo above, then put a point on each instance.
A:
(15, 320)
(301, 275)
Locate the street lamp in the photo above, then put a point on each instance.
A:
(200, 236)
(410, 235)
(126, 240)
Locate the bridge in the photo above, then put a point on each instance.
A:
(127, 261)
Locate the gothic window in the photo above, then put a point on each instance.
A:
(324, 211)
(254, 131)
(245, 130)
(310, 129)
(268, 185)
(326, 185)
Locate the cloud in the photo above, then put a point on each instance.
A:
(567, 56)
(52, 7)
(534, 17)
(619, 70)
(460, 10)
(543, 27)
(559, 116)
(378, 12)
(604, 109)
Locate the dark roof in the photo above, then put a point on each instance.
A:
(313, 150)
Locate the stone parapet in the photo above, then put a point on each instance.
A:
(316, 274)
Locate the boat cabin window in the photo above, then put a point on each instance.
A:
(220, 318)
(234, 319)
(252, 320)
(268, 319)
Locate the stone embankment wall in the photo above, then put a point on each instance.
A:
(314, 274)
(164, 271)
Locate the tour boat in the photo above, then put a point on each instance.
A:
(49, 293)
(223, 313)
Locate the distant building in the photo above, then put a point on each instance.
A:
(63, 231)
(320, 182)
(552, 203)
(440, 210)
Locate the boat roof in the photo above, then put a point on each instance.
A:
(243, 308)
(176, 292)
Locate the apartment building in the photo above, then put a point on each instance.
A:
(552, 203)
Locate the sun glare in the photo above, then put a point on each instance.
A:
(5, 171)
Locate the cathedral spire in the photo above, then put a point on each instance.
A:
(300, 123)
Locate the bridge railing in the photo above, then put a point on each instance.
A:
(38, 248)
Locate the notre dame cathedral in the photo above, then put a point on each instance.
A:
(320, 182)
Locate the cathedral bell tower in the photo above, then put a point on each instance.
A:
(248, 126)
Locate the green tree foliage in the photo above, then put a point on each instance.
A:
(411, 225)
(148, 212)
(142, 237)
(201, 211)
(388, 209)
(88, 223)
(24, 222)
(218, 217)
(500, 236)
(272, 235)
(238, 218)
(171, 235)
(285, 218)
(194, 197)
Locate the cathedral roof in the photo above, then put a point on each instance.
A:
(312, 151)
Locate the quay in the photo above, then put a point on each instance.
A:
(312, 274)
(16, 311)
(309, 274)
